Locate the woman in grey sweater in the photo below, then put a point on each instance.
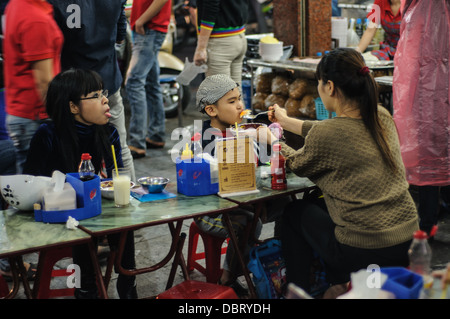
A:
(367, 215)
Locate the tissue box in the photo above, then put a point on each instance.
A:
(194, 177)
(88, 197)
(63, 200)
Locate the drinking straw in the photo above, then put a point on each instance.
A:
(237, 131)
(115, 161)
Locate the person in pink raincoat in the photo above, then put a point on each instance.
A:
(421, 102)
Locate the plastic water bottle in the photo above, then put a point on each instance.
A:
(359, 28)
(278, 168)
(420, 254)
(420, 260)
(86, 170)
(196, 144)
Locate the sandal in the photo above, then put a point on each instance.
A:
(136, 152)
(31, 273)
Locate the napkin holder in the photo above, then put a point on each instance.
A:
(195, 177)
(88, 198)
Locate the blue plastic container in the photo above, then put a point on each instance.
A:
(247, 93)
(89, 202)
(403, 283)
(194, 177)
(321, 112)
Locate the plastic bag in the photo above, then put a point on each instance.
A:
(352, 37)
(190, 71)
(421, 92)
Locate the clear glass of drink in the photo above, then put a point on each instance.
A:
(121, 184)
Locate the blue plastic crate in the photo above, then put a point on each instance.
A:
(321, 111)
(194, 177)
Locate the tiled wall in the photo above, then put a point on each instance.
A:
(306, 24)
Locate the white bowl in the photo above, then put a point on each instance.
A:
(23, 191)
(271, 52)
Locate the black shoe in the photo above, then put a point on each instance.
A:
(137, 155)
(153, 144)
(85, 294)
(126, 287)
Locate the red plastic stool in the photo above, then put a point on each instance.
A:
(212, 254)
(192, 289)
(45, 273)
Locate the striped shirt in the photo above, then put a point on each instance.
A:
(222, 18)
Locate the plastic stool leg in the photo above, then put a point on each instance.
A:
(45, 273)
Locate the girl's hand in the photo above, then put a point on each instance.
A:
(264, 135)
(277, 114)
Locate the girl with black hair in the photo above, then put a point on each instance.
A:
(79, 112)
(367, 215)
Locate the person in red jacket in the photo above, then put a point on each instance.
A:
(149, 21)
(32, 49)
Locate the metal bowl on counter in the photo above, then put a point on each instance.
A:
(154, 184)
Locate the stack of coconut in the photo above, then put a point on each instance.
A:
(297, 96)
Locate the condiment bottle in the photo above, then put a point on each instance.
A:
(186, 153)
(86, 170)
(278, 168)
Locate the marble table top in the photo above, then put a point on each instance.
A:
(295, 184)
(21, 234)
(142, 214)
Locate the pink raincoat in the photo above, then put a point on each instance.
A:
(421, 91)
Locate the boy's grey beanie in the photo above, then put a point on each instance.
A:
(213, 88)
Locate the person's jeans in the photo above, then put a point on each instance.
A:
(118, 121)
(144, 91)
(21, 131)
(7, 158)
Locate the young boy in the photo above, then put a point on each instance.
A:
(219, 97)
